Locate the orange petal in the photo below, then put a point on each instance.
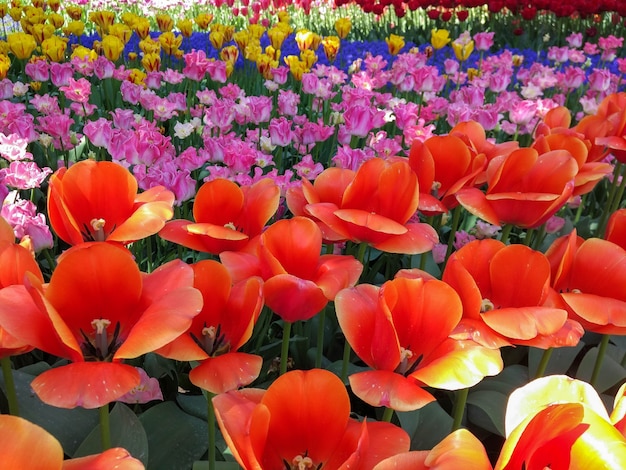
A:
(219, 202)
(260, 204)
(419, 238)
(15, 260)
(413, 460)
(117, 458)
(475, 201)
(20, 438)
(386, 388)
(227, 372)
(6, 231)
(85, 384)
(147, 220)
(525, 322)
(336, 272)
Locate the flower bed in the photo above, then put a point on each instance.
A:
(264, 247)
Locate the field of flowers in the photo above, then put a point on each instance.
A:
(275, 234)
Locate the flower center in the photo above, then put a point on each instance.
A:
(486, 305)
(213, 341)
(98, 229)
(301, 462)
(230, 225)
(98, 347)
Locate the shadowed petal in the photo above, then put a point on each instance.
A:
(24, 445)
(386, 388)
(227, 372)
(116, 458)
(293, 298)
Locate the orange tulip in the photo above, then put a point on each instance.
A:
(222, 327)
(504, 290)
(607, 128)
(19, 437)
(443, 165)
(523, 188)
(560, 423)
(402, 331)
(616, 228)
(461, 449)
(226, 216)
(298, 281)
(590, 276)
(15, 262)
(98, 201)
(97, 310)
(376, 207)
(303, 421)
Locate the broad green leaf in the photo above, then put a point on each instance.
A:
(126, 432)
(560, 360)
(486, 409)
(611, 371)
(202, 465)
(426, 426)
(175, 439)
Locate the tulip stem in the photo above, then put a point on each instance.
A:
(459, 408)
(506, 232)
(543, 363)
(346, 360)
(617, 172)
(319, 353)
(604, 342)
(456, 217)
(9, 383)
(284, 352)
(105, 427)
(211, 423)
(387, 415)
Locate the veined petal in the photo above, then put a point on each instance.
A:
(386, 388)
(218, 202)
(147, 220)
(604, 315)
(226, 372)
(85, 384)
(525, 322)
(458, 364)
(260, 204)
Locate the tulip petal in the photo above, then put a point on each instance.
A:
(85, 384)
(386, 388)
(117, 458)
(293, 298)
(227, 372)
(525, 322)
(147, 220)
(20, 438)
(475, 201)
(419, 238)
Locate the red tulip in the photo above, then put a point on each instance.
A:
(504, 290)
(220, 329)
(401, 330)
(377, 207)
(98, 310)
(97, 201)
(226, 216)
(303, 421)
(523, 188)
(299, 281)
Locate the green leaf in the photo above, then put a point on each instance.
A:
(426, 426)
(611, 371)
(202, 465)
(126, 431)
(69, 426)
(175, 439)
(486, 409)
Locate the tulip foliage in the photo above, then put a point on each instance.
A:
(233, 239)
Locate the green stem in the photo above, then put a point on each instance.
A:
(284, 352)
(506, 232)
(7, 373)
(610, 198)
(320, 339)
(543, 363)
(105, 427)
(345, 361)
(459, 408)
(456, 217)
(599, 358)
(211, 423)
(387, 415)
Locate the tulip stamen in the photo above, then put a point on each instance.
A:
(230, 225)
(213, 342)
(100, 348)
(486, 305)
(98, 229)
(301, 463)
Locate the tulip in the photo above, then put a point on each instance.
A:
(439, 38)
(343, 27)
(395, 44)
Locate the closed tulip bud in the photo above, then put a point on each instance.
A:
(203, 20)
(170, 43)
(54, 48)
(151, 62)
(343, 27)
(55, 20)
(229, 54)
(121, 31)
(165, 23)
(217, 39)
(142, 28)
(5, 64)
(77, 28)
(331, 47)
(74, 12)
(277, 37)
(186, 27)
(112, 47)
(54, 5)
(309, 58)
(395, 44)
(439, 38)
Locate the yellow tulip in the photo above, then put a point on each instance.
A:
(83, 52)
(252, 51)
(103, 20)
(77, 28)
(148, 46)
(151, 62)
(217, 39)
(34, 15)
(242, 39)
(15, 13)
(331, 47)
(54, 48)
(112, 47)
(121, 31)
(5, 64)
(277, 37)
(142, 27)
(170, 43)
(165, 23)
(395, 44)
(296, 66)
(256, 30)
(137, 77)
(439, 38)
(309, 58)
(273, 53)
(343, 27)
(54, 5)
(229, 54)
(4, 9)
(21, 44)
(203, 20)
(56, 20)
(463, 46)
(74, 12)
(42, 32)
(265, 64)
(186, 27)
